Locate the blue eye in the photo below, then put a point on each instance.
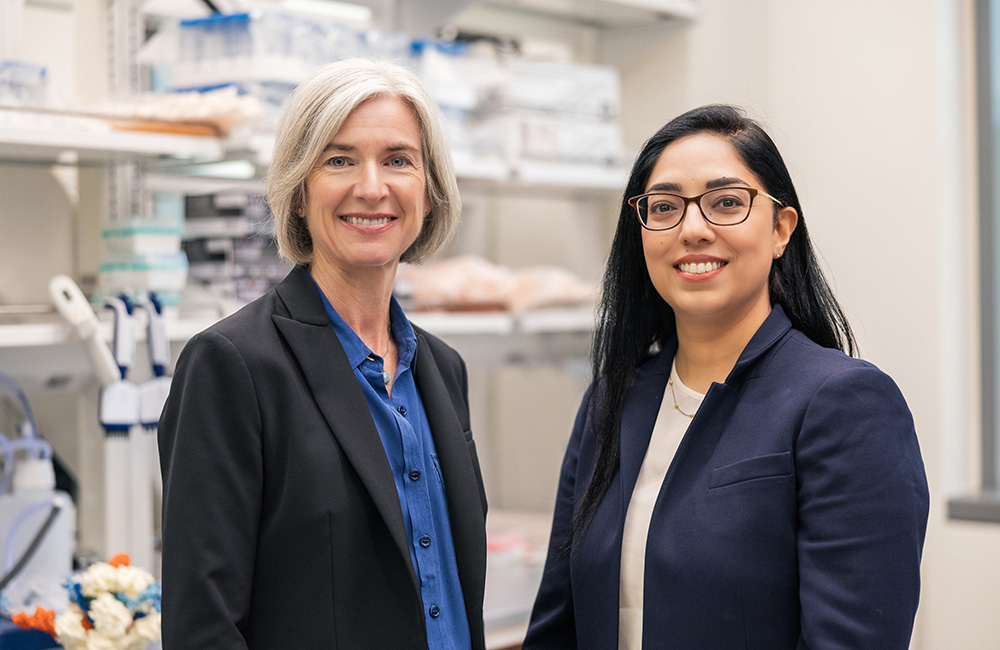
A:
(337, 161)
(399, 161)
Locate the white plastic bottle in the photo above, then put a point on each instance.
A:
(23, 513)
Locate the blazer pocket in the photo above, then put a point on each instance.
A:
(770, 466)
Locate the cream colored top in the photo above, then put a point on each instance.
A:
(668, 430)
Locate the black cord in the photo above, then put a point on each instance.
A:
(211, 6)
(32, 547)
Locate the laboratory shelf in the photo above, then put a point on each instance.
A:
(176, 183)
(94, 141)
(472, 171)
(601, 14)
(442, 323)
(597, 178)
(18, 335)
(604, 14)
(556, 321)
(464, 323)
(542, 178)
(502, 323)
(468, 166)
(494, 339)
(46, 354)
(49, 331)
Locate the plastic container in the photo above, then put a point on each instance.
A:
(23, 514)
(538, 135)
(270, 96)
(573, 88)
(259, 46)
(165, 274)
(143, 237)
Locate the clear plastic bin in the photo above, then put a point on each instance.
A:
(552, 137)
(571, 88)
(268, 46)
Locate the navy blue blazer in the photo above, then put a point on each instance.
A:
(792, 516)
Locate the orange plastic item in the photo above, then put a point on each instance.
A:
(42, 619)
(122, 559)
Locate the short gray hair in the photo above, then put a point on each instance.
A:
(315, 112)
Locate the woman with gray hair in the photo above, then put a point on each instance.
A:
(321, 484)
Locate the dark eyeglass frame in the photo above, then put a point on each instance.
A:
(634, 202)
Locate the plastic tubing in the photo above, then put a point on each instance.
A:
(30, 429)
(8, 552)
(29, 441)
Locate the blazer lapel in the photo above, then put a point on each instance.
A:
(339, 398)
(465, 510)
(638, 417)
(710, 423)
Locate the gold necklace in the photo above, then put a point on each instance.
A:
(674, 395)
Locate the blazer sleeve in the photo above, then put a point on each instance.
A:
(552, 624)
(210, 455)
(862, 505)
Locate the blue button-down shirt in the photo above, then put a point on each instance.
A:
(406, 436)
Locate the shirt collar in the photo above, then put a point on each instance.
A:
(355, 348)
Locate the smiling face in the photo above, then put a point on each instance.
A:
(366, 196)
(713, 276)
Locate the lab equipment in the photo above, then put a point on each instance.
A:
(76, 310)
(146, 480)
(36, 521)
(128, 495)
(118, 414)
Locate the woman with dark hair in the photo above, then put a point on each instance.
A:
(734, 479)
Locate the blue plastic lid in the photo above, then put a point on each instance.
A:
(216, 18)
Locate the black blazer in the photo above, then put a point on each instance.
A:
(792, 516)
(281, 523)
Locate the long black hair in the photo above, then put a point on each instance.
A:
(633, 317)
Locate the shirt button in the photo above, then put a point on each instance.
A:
(402, 410)
(434, 611)
(425, 541)
(414, 474)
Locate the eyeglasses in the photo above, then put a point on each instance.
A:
(726, 206)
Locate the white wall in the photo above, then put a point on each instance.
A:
(872, 108)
